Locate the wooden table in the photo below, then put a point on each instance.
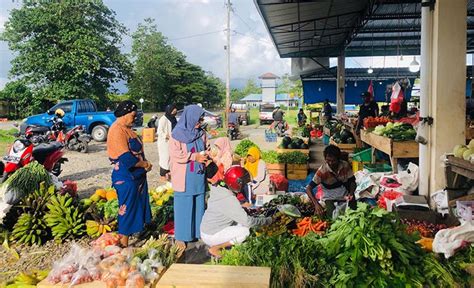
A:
(349, 148)
(456, 167)
(304, 151)
(394, 149)
(192, 275)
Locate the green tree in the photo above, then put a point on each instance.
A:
(66, 49)
(251, 87)
(20, 99)
(162, 75)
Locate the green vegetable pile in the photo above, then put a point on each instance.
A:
(243, 147)
(397, 132)
(111, 209)
(295, 261)
(28, 179)
(294, 157)
(272, 157)
(367, 247)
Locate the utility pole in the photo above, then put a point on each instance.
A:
(227, 84)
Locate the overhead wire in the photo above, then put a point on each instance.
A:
(196, 35)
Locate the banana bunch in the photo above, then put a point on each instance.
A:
(161, 195)
(36, 202)
(64, 218)
(29, 229)
(96, 229)
(25, 280)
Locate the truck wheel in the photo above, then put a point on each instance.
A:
(99, 133)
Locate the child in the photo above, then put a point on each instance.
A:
(225, 222)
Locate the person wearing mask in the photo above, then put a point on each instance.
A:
(301, 118)
(166, 124)
(221, 152)
(188, 152)
(225, 222)
(258, 171)
(125, 151)
(327, 110)
(368, 109)
(336, 179)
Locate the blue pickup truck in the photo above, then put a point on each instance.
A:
(79, 112)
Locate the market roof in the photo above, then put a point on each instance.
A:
(268, 75)
(304, 28)
(361, 74)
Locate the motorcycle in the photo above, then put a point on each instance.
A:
(23, 151)
(232, 131)
(75, 139)
(280, 128)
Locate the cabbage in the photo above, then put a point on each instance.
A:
(467, 154)
(459, 150)
(471, 144)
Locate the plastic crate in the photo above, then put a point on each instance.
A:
(358, 166)
(363, 156)
(373, 168)
(270, 136)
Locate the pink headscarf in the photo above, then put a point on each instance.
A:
(224, 154)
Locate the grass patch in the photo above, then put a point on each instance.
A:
(290, 116)
(6, 139)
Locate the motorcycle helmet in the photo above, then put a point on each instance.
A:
(236, 178)
(59, 112)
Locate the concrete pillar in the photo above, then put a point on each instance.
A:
(448, 84)
(341, 82)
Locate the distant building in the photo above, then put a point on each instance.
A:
(269, 96)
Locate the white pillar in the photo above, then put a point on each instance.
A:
(425, 90)
(448, 84)
(341, 81)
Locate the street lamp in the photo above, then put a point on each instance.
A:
(370, 70)
(141, 103)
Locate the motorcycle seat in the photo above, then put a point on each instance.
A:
(41, 151)
(39, 129)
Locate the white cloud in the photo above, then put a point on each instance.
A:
(3, 82)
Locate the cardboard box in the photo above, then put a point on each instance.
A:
(149, 135)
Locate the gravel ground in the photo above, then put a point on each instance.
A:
(92, 171)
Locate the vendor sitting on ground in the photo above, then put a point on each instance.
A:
(337, 182)
(225, 222)
(258, 171)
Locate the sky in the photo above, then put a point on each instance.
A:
(196, 27)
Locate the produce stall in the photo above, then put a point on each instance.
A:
(351, 123)
(394, 149)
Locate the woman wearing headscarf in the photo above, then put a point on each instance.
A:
(221, 152)
(187, 147)
(125, 151)
(166, 124)
(258, 170)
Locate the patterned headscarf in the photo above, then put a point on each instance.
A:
(124, 108)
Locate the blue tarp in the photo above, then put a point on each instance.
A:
(316, 91)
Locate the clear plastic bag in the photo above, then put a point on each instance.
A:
(289, 210)
(81, 276)
(135, 280)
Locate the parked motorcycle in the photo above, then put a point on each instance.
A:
(75, 139)
(232, 131)
(23, 151)
(280, 128)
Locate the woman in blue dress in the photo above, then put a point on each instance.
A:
(125, 151)
(188, 153)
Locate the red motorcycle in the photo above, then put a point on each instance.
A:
(75, 139)
(23, 151)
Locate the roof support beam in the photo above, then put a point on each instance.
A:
(313, 20)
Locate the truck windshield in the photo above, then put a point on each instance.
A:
(66, 107)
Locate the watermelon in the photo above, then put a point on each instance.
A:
(293, 146)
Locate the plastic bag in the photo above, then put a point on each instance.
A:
(447, 241)
(81, 276)
(340, 208)
(4, 209)
(367, 184)
(409, 178)
(105, 240)
(385, 199)
(135, 280)
(289, 210)
(281, 183)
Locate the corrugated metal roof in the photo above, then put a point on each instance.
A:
(252, 97)
(325, 28)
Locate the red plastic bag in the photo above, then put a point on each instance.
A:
(169, 228)
(281, 183)
(390, 195)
